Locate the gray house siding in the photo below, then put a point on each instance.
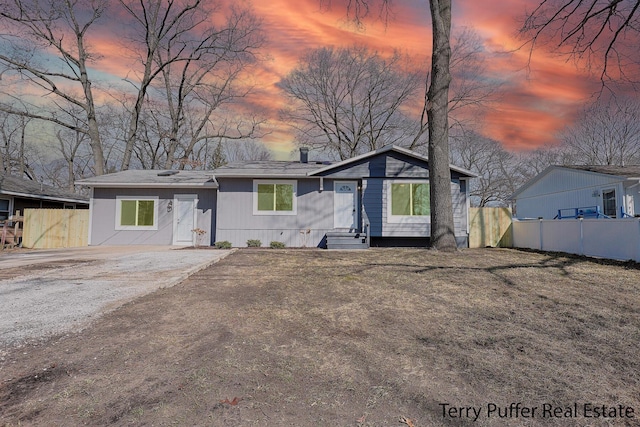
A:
(103, 230)
(569, 189)
(376, 204)
(227, 207)
(388, 165)
(237, 223)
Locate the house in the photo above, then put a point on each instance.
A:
(587, 191)
(17, 194)
(378, 198)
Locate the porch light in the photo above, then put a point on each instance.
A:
(170, 206)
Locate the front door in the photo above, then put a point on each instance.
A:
(184, 209)
(345, 203)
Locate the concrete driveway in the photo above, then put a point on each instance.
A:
(47, 292)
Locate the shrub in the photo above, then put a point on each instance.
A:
(222, 245)
(277, 245)
(254, 243)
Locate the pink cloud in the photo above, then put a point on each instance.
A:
(541, 94)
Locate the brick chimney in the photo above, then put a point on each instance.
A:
(304, 155)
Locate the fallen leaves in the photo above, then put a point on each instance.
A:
(407, 421)
(233, 402)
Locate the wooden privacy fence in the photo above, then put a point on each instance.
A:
(490, 227)
(55, 228)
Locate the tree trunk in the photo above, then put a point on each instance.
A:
(442, 225)
(92, 122)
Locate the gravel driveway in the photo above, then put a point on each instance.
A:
(50, 292)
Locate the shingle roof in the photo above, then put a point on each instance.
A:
(152, 178)
(270, 168)
(630, 171)
(249, 169)
(12, 185)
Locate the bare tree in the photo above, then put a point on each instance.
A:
(471, 90)
(241, 151)
(197, 62)
(197, 88)
(70, 145)
(32, 27)
(605, 133)
(230, 151)
(442, 226)
(494, 165)
(13, 149)
(603, 34)
(348, 101)
(531, 163)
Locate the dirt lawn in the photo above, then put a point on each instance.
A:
(361, 338)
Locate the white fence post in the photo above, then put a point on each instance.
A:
(581, 236)
(604, 238)
(540, 222)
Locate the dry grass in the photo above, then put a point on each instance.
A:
(360, 338)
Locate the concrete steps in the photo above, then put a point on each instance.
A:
(346, 240)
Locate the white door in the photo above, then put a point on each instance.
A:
(184, 219)
(630, 205)
(345, 203)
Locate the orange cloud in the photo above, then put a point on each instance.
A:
(542, 92)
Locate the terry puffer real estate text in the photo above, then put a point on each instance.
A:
(545, 410)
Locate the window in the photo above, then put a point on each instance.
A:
(409, 201)
(274, 197)
(136, 213)
(609, 203)
(4, 209)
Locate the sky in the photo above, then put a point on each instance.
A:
(539, 97)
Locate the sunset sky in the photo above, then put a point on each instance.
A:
(538, 99)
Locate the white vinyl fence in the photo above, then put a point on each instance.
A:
(604, 238)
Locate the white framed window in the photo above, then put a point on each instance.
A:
(408, 201)
(609, 203)
(136, 213)
(275, 197)
(5, 209)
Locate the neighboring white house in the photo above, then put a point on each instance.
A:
(589, 191)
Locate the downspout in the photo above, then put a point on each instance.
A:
(321, 184)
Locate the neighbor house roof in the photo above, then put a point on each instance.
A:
(385, 149)
(631, 171)
(623, 173)
(152, 179)
(20, 187)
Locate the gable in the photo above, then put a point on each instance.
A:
(387, 164)
(379, 166)
(559, 179)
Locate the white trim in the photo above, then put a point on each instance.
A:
(194, 199)
(405, 219)
(384, 149)
(146, 185)
(355, 201)
(91, 211)
(275, 181)
(41, 197)
(467, 202)
(156, 201)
